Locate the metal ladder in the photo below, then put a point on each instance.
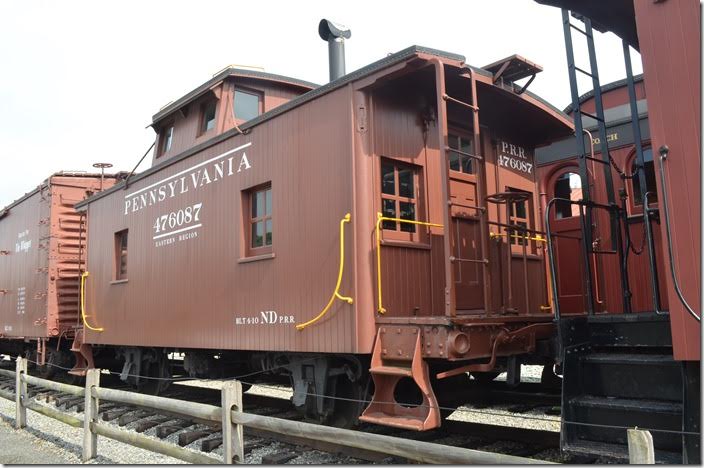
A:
(587, 204)
(479, 170)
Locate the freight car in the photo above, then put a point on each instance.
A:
(41, 241)
(383, 227)
(629, 335)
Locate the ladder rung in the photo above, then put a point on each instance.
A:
(596, 160)
(584, 71)
(579, 30)
(485, 261)
(449, 98)
(595, 117)
(606, 252)
(474, 156)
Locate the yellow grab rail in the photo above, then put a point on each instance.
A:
(335, 294)
(83, 303)
(379, 219)
(538, 238)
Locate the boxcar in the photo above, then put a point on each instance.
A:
(381, 224)
(41, 240)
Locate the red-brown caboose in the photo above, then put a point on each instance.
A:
(386, 223)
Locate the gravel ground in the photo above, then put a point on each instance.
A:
(498, 416)
(49, 437)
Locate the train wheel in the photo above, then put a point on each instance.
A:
(57, 362)
(349, 402)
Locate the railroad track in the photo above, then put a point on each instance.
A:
(267, 447)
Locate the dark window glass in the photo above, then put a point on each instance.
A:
(649, 169)
(247, 105)
(461, 162)
(208, 116)
(262, 227)
(398, 187)
(168, 138)
(389, 211)
(405, 183)
(408, 211)
(121, 255)
(258, 234)
(518, 209)
(388, 184)
(568, 185)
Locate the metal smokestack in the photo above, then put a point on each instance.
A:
(335, 35)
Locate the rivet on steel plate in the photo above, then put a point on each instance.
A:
(383, 351)
(400, 353)
(398, 331)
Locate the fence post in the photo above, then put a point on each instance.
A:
(640, 447)
(20, 394)
(90, 415)
(232, 438)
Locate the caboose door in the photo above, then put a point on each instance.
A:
(465, 235)
(567, 245)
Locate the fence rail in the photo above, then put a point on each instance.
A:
(232, 419)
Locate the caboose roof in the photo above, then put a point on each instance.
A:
(220, 76)
(363, 72)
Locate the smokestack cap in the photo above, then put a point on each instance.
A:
(327, 29)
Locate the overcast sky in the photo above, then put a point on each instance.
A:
(79, 80)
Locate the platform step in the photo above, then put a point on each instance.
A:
(403, 422)
(628, 404)
(391, 370)
(627, 358)
(616, 451)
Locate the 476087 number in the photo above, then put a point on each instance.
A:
(178, 218)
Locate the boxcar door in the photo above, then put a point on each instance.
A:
(469, 293)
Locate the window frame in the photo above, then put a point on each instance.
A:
(251, 91)
(164, 139)
(120, 275)
(633, 208)
(204, 106)
(517, 244)
(248, 221)
(420, 235)
(466, 134)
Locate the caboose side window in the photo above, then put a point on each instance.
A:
(168, 138)
(247, 105)
(399, 183)
(208, 116)
(261, 228)
(121, 255)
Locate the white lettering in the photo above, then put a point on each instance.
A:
(244, 162)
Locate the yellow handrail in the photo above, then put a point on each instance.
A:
(335, 294)
(379, 219)
(83, 303)
(538, 238)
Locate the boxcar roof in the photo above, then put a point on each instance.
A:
(374, 67)
(46, 182)
(228, 72)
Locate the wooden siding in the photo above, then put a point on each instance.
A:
(669, 36)
(190, 293)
